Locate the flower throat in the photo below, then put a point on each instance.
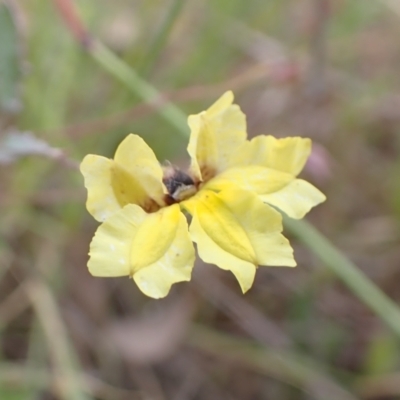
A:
(179, 184)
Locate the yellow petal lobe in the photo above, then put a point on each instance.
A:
(139, 161)
(222, 226)
(253, 177)
(263, 226)
(133, 177)
(236, 231)
(155, 235)
(210, 252)
(286, 155)
(99, 174)
(215, 134)
(155, 249)
(110, 248)
(296, 199)
(168, 252)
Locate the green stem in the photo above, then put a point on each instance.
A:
(127, 75)
(365, 289)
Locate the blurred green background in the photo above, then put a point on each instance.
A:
(328, 70)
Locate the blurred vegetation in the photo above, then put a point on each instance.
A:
(315, 68)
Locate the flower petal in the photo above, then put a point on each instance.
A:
(215, 134)
(110, 248)
(296, 199)
(263, 226)
(287, 155)
(153, 248)
(212, 253)
(139, 160)
(254, 178)
(236, 231)
(133, 177)
(101, 175)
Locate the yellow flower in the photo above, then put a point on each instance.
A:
(228, 190)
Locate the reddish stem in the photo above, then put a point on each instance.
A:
(74, 23)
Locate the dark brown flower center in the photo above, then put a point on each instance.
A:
(179, 184)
